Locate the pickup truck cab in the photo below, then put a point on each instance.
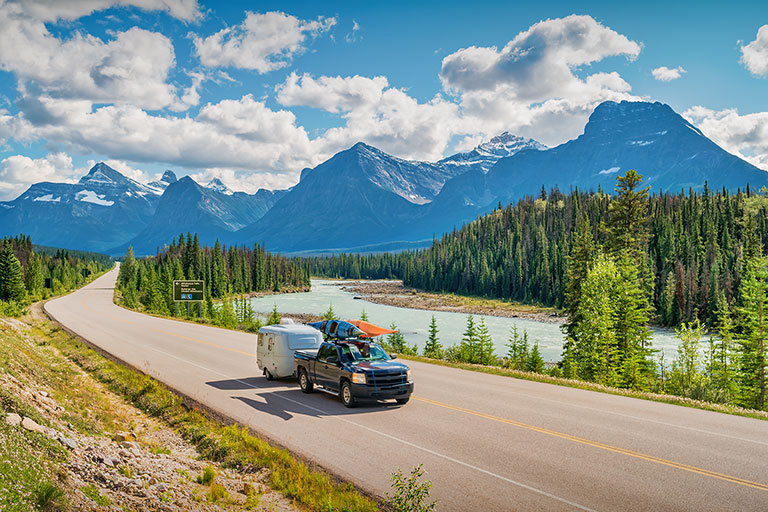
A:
(355, 370)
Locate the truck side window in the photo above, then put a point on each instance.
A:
(326, 351)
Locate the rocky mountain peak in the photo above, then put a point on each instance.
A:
(218, 186)
(101, 173)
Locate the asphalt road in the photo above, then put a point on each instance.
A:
(486, 442)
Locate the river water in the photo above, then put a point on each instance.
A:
(414, 323)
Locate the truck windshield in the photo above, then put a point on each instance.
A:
(363, 352)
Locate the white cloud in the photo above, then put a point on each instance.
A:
(383, 116)
(334, 94)
(132, 68)
(755, 55)
(665, 74)
(744, 135)
(244, 181)
(242, 134)
(353, 36)
(537, 64)
(18, 172)
(52, 10)
(262, 42)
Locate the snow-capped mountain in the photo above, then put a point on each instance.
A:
(94, 214)
(213, 212)
(485, 155)
(169, 177)
(216, 185)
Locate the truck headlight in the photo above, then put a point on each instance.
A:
(408, 375)
(359, 378)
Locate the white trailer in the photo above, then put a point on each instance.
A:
(277, 343)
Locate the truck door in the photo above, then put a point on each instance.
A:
(327, 366)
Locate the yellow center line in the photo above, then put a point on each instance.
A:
(603, 446)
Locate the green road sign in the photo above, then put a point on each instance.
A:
(188, 291)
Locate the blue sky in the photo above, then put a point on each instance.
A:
(253, 92)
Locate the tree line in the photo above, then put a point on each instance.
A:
(694, 251)
(25, 269)
(228, 273)
(615, 264)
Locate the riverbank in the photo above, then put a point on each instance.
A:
(394, 293)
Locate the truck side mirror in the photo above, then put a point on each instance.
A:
(393, 356)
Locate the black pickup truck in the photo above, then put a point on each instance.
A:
(355, 369)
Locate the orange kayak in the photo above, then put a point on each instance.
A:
(370, 330)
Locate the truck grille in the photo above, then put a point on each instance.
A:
(387, 381)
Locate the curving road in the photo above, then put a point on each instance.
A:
(486, 442)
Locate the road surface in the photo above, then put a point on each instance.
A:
(487, 442)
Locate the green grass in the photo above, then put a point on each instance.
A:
(25, 483)
(232, 446)
(93, 492)
(207, 476)
(591, 386)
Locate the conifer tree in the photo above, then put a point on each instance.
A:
(364, 316)
(34, 278)
(330, 314)
(128, 268)
(274, 317)
(468, 347)
(535, 362)
(722, 372)
(395, 340)
(485, 350)
(753, 359)
(433, 348)
(517, 353)
(11, 275)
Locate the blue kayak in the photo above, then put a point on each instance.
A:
(337, 329)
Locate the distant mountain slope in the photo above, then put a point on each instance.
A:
(363, 196)
(212, 212)
(652, 138)
(101, 210)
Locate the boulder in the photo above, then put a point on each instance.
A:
(32, 426)
(13, 419)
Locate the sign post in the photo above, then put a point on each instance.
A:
(189, 291)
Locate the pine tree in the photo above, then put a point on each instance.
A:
(468, 347)
(11, 275)
(127, 268)
(485, 349)
(685, 376)
(34, 278)
(330, 314)
(274, 317)
(364, 316)
(395, 340)
(517, 353)
(535, 362)
(433, 348)
(579, 261)
(722, 373)
(626, 228)
(753, 360)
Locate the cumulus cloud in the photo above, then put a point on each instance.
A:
(538, 63)
(52, 10)
(665, 74)
(131, 69)
(380, 115)
(755, 55)
(240, 133)
(18, 172)
(744, 135)
(262, 42)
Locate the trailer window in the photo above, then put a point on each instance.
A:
(301, 342)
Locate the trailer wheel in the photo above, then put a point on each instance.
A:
(304, 383)
(268, 375)
(346, 394)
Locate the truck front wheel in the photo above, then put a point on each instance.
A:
(304, 383)
(346, 394)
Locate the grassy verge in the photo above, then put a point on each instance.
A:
(591, 386)
(232, 446)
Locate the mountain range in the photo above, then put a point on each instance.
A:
(363, 199)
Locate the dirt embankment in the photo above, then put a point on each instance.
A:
(394, 293)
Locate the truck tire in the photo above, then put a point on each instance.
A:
(304, 383)
(347, 398)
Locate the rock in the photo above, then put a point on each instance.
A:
(128, 445)
(161, 488)
(124, 454)
(31, 425)
(12, 419)
(44, 393)
(68, 442)
(122, 437)
(152, 481)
